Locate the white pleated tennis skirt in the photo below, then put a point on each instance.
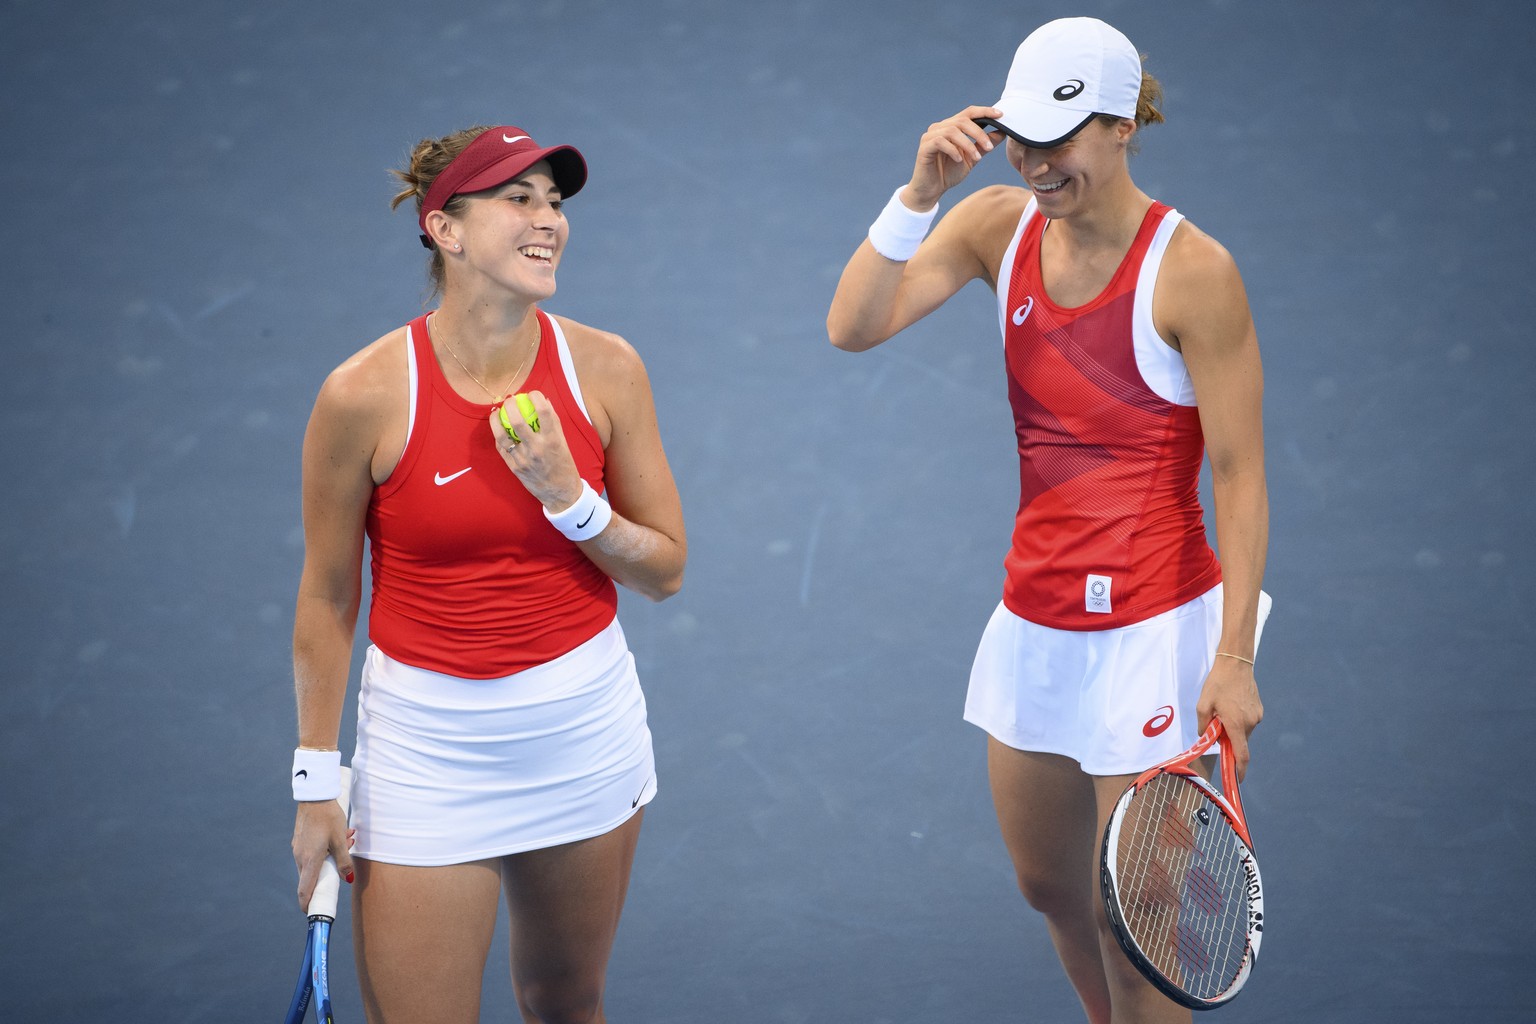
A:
(1117, 701)
(451, 770)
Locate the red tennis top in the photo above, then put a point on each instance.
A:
(1109, 529)
(469, 578)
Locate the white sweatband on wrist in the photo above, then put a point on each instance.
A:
(316, 774)
(587, 518)
(898, 231)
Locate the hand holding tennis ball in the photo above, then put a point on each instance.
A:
(544, 465)
(525, 409)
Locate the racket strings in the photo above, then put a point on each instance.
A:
(1182, 887)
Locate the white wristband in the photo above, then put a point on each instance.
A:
(898, 231)
(316, 774)
(587, 518)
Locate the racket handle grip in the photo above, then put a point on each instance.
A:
(322, 902)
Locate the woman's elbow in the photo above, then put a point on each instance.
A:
(838, 335)
(846, 334)
(658, 590)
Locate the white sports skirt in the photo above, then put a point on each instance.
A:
(451, 770)
(1117, 701)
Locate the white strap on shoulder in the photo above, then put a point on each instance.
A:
(1161, 365)
(1005, 272)
(411, 379)
(568, 367)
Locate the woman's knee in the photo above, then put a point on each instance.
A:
(562, 1003)
(1050, 892)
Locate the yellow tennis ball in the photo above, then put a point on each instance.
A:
(525, 408)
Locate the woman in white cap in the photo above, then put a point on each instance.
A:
(502, 744)
(1119, 634)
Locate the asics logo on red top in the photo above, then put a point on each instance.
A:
(1072, 88)
(513, 138)
(439, 479)
(1022, 313)
(1158, 723)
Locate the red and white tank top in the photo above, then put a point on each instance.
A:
(469, 577)
(1109, 529)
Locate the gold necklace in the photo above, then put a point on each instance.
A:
(515, 375)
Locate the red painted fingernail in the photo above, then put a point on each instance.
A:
(349, 878)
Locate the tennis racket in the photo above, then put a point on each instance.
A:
(1180, 881)
(314, 975)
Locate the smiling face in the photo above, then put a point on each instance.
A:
(1066, 178)
(512, 235)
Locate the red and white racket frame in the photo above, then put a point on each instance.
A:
(1229, 802)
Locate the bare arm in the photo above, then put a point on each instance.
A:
(644, 546)
(876, 297)
(339, 446)
(1207, 313)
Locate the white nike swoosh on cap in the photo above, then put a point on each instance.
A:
(520, 138)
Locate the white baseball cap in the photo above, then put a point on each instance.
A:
(1066, 72)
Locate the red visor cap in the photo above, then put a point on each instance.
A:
(495, 158)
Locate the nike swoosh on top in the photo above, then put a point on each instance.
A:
(519, 138)
(301, 773)
(440, 479)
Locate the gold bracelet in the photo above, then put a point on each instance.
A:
(1239, 657)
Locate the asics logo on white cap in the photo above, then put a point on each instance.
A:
(1072, 88)
(506, 138)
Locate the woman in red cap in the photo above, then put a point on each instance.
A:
(502, 744)
(1119, 634)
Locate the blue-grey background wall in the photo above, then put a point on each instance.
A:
(198, 231)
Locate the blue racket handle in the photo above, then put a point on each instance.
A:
(320, 932)
(305, 986)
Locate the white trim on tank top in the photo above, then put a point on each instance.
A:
(412, 383)
(569, 367)
(1161, 365)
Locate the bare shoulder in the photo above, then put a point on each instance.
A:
(368, 380)
(361, 410)
(1200, 299)
(614, 384)
(1197, 260)
(994, 210)
(600, 356)
(1005, 201)
(982, 224)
